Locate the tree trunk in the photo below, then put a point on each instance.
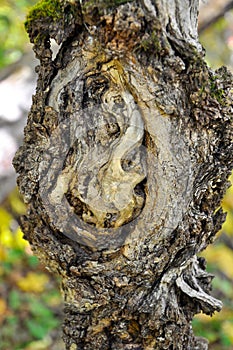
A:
(125, 159)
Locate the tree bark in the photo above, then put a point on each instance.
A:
(125, 160)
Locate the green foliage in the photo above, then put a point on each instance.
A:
(13, 38)
(29, 296)
(14, 300)
(214, 41)
(217, 331)
(41, 321)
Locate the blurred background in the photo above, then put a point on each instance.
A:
(30, 302)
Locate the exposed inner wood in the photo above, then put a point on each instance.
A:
(104, 163)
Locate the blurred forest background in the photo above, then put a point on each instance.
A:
(30, 302)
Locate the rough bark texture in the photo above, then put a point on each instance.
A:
(125, 159)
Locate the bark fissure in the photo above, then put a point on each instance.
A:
(125, 160)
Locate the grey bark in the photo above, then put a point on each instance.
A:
(125, 159)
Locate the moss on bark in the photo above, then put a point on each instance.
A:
(50, 9)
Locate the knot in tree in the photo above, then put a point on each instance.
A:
(125, 160)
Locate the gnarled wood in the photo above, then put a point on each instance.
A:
(125, 159)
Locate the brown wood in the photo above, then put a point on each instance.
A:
(125, 159)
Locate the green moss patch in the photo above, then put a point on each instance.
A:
(45, 9)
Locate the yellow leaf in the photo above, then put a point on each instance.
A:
(6, 239)
(221, 256)
(3, 309)
(16, 202)
(5, 219)
(11, 239)
(19, 241)
(227, 202)
(227, 227)
(227, 328)
(3, 254)
(43, 344)
(221, 316)
(33, 282)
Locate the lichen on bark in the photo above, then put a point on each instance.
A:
(125, 160)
